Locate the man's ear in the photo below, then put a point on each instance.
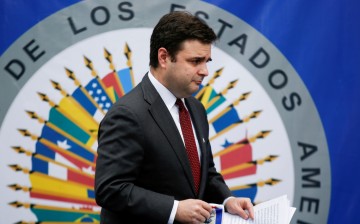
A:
(163, 56)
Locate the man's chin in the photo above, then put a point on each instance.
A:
(194, 90)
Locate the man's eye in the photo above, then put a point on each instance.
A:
(196, 61)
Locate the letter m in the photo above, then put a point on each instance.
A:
(308, 173)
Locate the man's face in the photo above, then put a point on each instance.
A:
(184, 75)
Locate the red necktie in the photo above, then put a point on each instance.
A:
(189, 140)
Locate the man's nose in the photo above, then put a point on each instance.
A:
(203, 70)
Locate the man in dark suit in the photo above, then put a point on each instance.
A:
(144, 173)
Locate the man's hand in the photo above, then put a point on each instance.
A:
(193, 211)
(240, 206)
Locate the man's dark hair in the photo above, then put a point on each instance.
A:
(173, 29)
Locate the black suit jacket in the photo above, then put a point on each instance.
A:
(142, 166)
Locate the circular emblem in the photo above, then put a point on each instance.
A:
(266, 135)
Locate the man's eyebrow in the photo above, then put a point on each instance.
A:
(201, 59)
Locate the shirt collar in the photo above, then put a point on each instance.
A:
(168, 98)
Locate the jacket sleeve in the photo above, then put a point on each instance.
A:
(120, 154)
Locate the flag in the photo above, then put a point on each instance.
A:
(59, 214)
(227, 119)
(100, 96)
(238, 156)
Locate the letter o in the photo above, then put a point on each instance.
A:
(96, 19)
(280, 82)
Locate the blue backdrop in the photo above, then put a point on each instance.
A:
(321, 39)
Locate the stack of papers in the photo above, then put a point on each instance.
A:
(274, 211)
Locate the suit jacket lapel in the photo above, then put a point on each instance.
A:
(166, 123)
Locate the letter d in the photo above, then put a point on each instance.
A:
(256, 58)
(15, 68)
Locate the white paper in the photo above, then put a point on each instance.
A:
(274, 211)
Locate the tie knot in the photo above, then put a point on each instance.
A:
(180, 104)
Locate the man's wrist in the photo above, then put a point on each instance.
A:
(226, 200)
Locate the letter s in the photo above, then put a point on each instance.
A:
(126, 10)
(294, 98)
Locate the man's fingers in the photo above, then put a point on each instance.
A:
(251, 212)
(193, 211)
(207, 207)
(240, 206)
(205, 214)
(203, 211)
(243, 214)
(249, 208)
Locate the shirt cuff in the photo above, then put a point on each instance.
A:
(173, 212)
